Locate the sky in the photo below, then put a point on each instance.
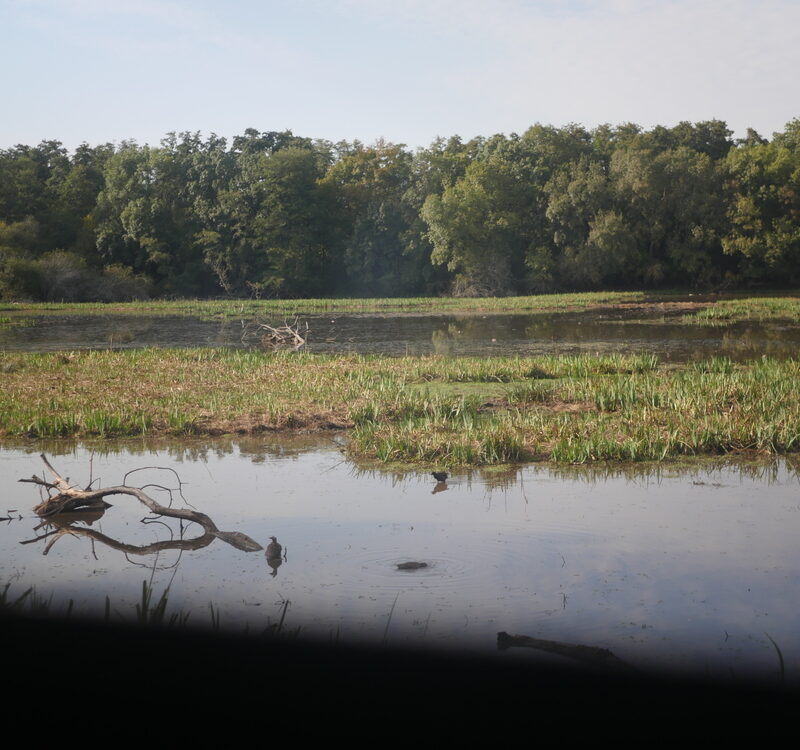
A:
(404, 70)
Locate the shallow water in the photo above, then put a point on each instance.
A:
(604, 331)
(668, 566)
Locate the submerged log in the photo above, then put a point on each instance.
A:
(587, 655)
(66, 498)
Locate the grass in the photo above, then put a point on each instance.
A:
(448, 411)
(237, 309)
(726, 312)
(701, 311)
(7, 321)
(148, 612)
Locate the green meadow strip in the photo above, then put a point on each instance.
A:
(447, 411)
(721, 312)
(236, 309)
(726, 312)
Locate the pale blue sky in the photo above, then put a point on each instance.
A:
(108, 70)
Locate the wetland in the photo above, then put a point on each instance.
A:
(554, 523)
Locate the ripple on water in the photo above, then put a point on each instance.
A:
(461, 569)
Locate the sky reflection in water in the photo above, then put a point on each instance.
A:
(666, 566)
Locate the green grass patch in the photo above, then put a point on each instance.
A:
(238, 309)
(7, 321)
(448, 411)
(726, 312)
(723, 312)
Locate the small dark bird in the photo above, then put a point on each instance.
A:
(440, 476)
(274, 550)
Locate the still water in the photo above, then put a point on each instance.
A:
(668, 566)
(630, 330)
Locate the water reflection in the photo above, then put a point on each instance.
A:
(268, 448)
(77, 525)
(626, 330)
(69, 510)
(685, 566)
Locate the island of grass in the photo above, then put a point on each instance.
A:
(448, 411)
(709, 309)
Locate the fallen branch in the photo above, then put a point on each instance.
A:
(286, 335)
(71, 499)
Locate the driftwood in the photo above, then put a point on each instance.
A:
(286, 335)
(64, 498)
(586, 655)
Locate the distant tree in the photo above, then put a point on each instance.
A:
(280, 214)
(490, 227)
(674, 206)
(594, 243)
(710, 137)
(294, 222)
(146, 217)
(764, 213)
(475, 227)
(433, 170)
(271, 226)
(371, 183)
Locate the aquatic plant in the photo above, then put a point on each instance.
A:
(462, 410)
(726, 312)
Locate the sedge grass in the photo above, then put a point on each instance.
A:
(726, 312)
(236, 309)
(478, 411)
(720, 312)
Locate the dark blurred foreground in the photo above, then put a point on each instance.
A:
(288, 687)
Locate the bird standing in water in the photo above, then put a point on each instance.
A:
(440, 476)
(274, 550)
(274, 555)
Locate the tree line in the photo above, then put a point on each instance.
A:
(271, 214)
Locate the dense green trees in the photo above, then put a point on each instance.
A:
(274, 214)
(764, 210)
(369, 183)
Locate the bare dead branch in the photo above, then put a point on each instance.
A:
(289, 334)
(160, 468)
(71, 499)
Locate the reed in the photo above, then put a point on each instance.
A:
(150, 611)
(415, 409)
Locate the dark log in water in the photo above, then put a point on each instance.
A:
(587, 655)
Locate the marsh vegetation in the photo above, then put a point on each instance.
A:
(554, 522)
(448, 410)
